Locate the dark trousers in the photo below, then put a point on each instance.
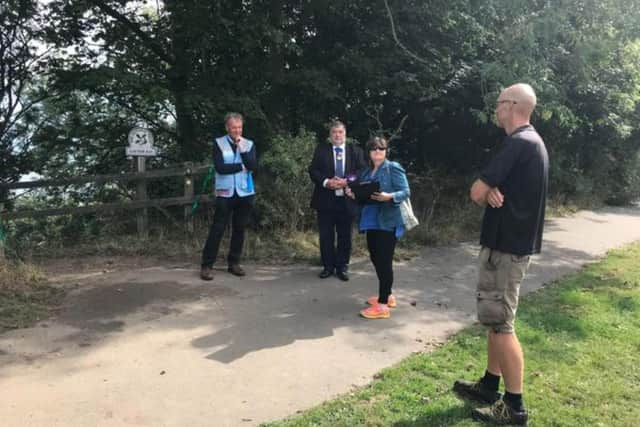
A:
(238, 210)
(381, 245)
(332, 224)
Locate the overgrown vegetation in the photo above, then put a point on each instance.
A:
(573, 332)
(446, 217)
(25, 296)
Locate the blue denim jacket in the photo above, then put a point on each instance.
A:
(393, 180)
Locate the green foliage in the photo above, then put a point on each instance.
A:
(20, 27)
(624, 181)
(284, 183)
(436, 67)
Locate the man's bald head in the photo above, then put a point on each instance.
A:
(515, 106)
(524, 97)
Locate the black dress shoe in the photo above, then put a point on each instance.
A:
(206, 273)
(236, 270)
(343, 275)
(325, 273)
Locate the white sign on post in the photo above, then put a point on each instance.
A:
(141, 143)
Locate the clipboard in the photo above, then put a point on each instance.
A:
(364, 189)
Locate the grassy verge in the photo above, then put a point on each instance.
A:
(581, 338)
(259, 247)
(25, 297)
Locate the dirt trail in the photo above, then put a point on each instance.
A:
(158, 347)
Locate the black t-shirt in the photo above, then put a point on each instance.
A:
(520, 171)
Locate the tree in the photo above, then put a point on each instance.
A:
(22, 60)
(435, 67)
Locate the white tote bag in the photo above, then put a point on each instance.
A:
(408, 218)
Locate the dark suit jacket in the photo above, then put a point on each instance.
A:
(322, 167)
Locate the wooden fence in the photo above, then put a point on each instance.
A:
(140, 203)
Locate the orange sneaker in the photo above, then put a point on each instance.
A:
(391, 302)
(376, 312)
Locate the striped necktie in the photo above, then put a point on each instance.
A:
(339, 162)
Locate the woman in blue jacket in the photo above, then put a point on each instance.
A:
(382, 222)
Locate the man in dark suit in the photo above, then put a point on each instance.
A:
(333, 165)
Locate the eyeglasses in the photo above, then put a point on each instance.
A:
(378, 149)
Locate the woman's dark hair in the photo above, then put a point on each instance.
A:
(372, 144)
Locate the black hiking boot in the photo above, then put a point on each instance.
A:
(475, 391)
(501, 414)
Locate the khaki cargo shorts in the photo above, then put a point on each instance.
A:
(499, 279)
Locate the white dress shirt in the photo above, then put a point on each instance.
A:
(339, 191)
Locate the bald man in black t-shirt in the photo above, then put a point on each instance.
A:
(513, 188)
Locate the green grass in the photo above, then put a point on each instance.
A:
(581, 338)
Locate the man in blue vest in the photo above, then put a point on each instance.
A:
(234, 161)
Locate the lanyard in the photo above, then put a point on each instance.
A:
(196, 202)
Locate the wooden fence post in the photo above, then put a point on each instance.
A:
(188, 193)
(142, 218)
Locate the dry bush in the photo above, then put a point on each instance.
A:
(19, 276)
